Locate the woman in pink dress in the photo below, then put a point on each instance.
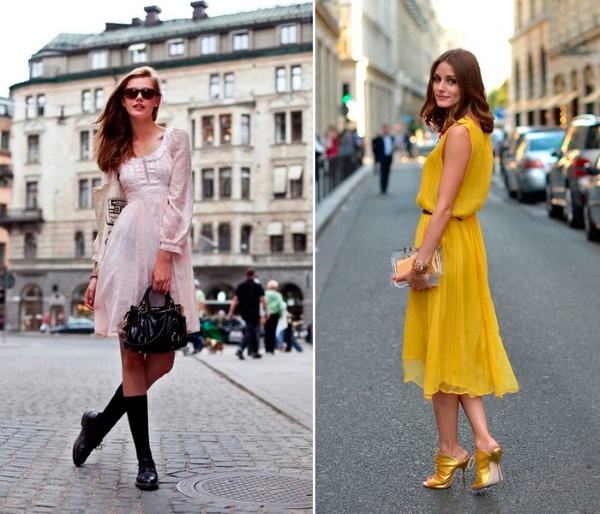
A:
(148, 245)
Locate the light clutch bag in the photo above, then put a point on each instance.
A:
(402, 261)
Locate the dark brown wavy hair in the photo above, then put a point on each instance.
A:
(472, 91)
(114, 142)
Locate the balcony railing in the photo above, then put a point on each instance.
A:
(16, 216)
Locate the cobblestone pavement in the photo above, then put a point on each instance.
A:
(218, 448)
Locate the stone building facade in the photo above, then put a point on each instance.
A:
(555, 52)
(6, 175)
(241, 84)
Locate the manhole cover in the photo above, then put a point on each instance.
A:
(251, 488)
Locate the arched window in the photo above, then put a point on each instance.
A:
(31, 308)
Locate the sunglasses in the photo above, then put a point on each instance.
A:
(132, 93)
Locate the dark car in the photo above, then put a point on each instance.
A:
(591, 204)
(74, 326)
(525, 175)
(568, 178)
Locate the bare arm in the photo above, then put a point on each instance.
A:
(457, 151)
(234, 303)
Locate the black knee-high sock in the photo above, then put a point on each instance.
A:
(113, 412)
(137, 414)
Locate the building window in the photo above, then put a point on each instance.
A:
(296, 78)
(98, 99)
(176, 47)
(86, 101)
(225, 183)
(84, 145)
(138, 53)
(207, 237)
(225, 126)
(214, 87)
(79, 244)
(209, 45)
(240, 41)
(229, 85)
(2, 254)
(280, 80)
(294, 175)
(29, 107)
(277, 244)
(296, 126)
(31, 195)
(41, 104)
(37, 69)
(99, 59)
(208, 183)
(288, 34)
(245, 238)
(33, 148)
(30, 246)
(5, 141)
(245, 184)
(84, 194)
(224, 237)
(299, 243)
(245, 129)
(279, 128)
(280, 181)
(208, 130)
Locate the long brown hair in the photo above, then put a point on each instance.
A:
(114, 143)
(472, 94)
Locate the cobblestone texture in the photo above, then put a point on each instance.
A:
(200, 422)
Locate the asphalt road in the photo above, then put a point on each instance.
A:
(376, 436)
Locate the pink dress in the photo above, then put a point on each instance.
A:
(158, 215)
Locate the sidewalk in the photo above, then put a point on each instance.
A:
(284, 380)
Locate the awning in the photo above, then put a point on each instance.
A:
(275, 228)
(553, 101)
(280, 180)
(298, 227)
(591, 97)
(295, 172)
(561, 99)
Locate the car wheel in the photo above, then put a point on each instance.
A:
(573, 214)
(592, 233)
(554, 211)
(522, 196)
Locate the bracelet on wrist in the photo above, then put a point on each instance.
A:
(93, 276)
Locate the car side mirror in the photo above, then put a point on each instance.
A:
(556, 153)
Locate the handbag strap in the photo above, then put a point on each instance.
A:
(145, 303)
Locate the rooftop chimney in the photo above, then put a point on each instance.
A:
(152, 13)
(199, 10)
(136, 22)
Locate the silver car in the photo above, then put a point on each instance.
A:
(526, 171)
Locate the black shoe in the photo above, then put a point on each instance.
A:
(240, 354)
(88, 439)
(256, 355)
(147, 478)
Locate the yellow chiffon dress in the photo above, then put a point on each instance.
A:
(452, 340)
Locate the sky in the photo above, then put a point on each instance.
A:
(484, 31)
(31, 25)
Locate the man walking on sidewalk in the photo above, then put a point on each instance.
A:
(383, 149)
(249, 295)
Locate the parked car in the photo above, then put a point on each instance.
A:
(591, 204)
(526, 172)
(510, 145)
(569, 176)
(74, 326)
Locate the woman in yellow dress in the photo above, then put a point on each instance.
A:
(452, 344)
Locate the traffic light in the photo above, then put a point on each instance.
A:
(346, 97)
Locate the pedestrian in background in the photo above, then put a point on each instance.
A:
(275, 305)
(196, 337)
(248, 298)
(148, 245)
(452, 344)
(383, 150)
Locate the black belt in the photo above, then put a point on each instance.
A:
(425, 211)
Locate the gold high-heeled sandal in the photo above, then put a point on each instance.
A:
(445, 468)
(488, 469)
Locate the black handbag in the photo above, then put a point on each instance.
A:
(159, 329)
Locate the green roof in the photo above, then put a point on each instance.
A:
(65, 43)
